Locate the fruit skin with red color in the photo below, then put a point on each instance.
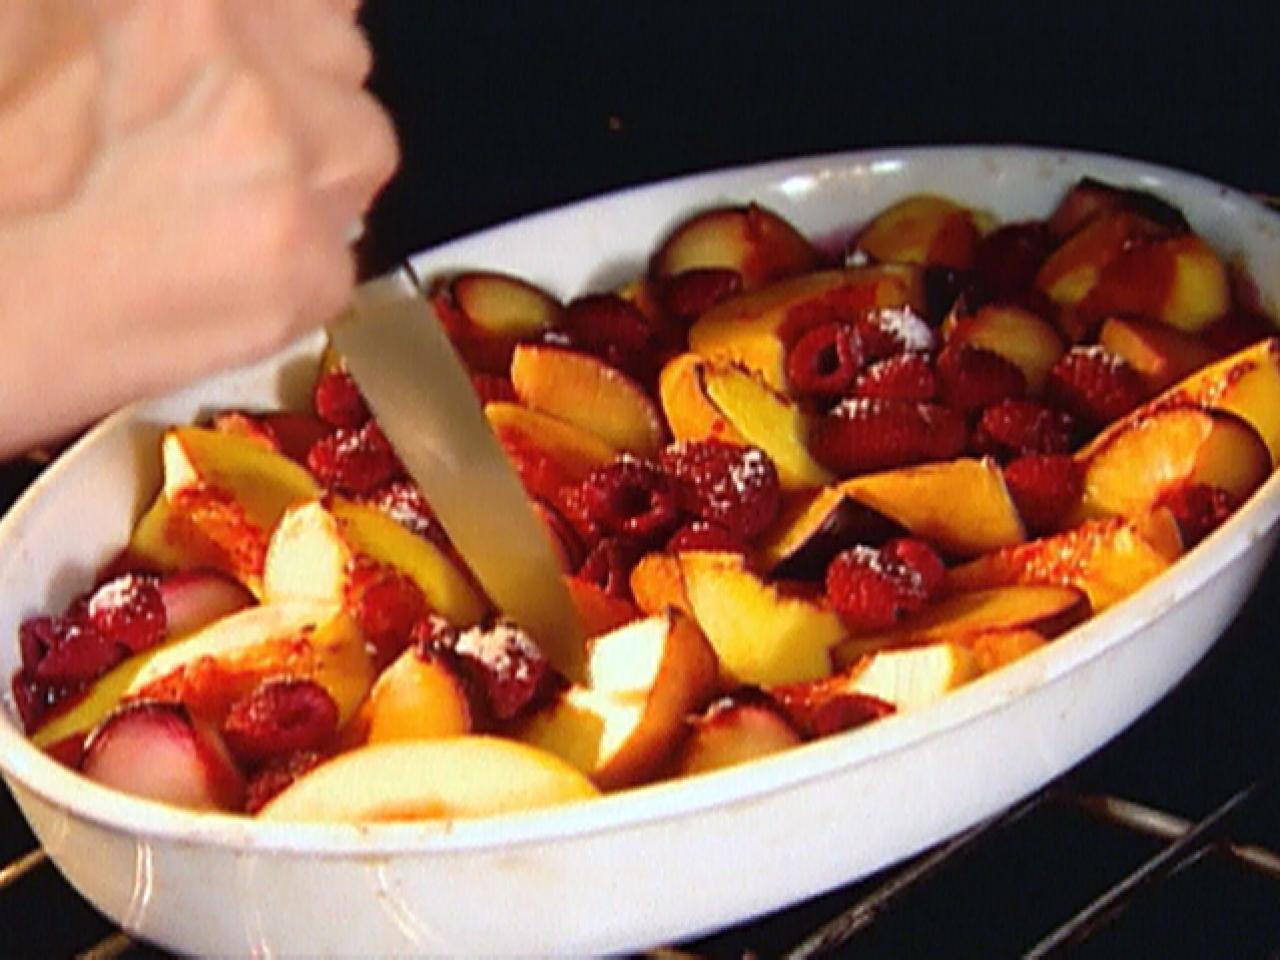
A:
(970, 378)
(907, 376)
(691, 293)
(1007, 259)
(1045, 488)
(338, 401)
(274, 777)
(862, 435)
(1198, 508)
(821, 708)
(728, 484)
(1011, 428)
(129, 610)
(872, 591)
(608, 565)
(1094, 385)
(919, 556)
(354, 461)
(278, 718)
(705, 535)
(611, 328)
(385, 604)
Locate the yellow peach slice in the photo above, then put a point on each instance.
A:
(691, 414)
(656, 584)
(999, 648)
(548, 453)
(761, 634)
(757, 243)
(922, 229)
(1018, 335)
(418, 697)
(589, 394)
(733, 731)
(914, 677)
(1159, 353)
(445, 779)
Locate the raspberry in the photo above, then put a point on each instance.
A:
(1006, 260)
(614, 330)
(404, 503)
(608, 566)
(337, 400)
(274, 777)
(731, 485)
(354, 461)
(704, 535)
(871, 591)
(907, 376)
(1199, 508)
(861, 435)
(690, 294)
(1011, 428)
(130, 611)
(79, 654)
(631, 498)
(970, 377)
(1238, 330)
(433, 631)
(823, 361)
(920, 557)
(278, 718)
(893, 330)
(385, 605)
(1044, 488)
(1094, 384)
(507, 665)
(493, 388)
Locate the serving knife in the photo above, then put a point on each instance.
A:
(399, 355)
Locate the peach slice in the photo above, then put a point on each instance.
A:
(548, 452)
(1246, 383)
(225, 495)
(314, 550)
(999, 648)
(444, 779)
(691, 414)
(922, 499)
(914, 677)
(280, 431)
(761, 634)
(757, 329)
(642, 680)
(589, 394)
(768, 420)
(923, 229)
(732, 731)
(208, 670)
(598, 611)
(192, 600)
(156, 543)
(1180, 281)
(755, 242)
(813, 527)
(1159, 353)
(1048, 609)
(486, 314)
(1018, 335)
(657, 583)
(1074, 269)
(159, 752)
(1105, 559)
(1171, 446)
(1089, 198)
(422, 695)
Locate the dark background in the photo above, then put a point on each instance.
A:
(507, 108)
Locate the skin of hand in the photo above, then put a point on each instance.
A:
(178, 186)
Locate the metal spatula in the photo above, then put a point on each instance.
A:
(420, 394)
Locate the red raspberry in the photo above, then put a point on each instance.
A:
(631, 498)
(354, 461)
(862, 435)
(608, 565)
(920, 557)
(130, 611)
(704, 535)
(280, 717)
(892, 330)
(404, 503)
(725, 483)
(690, 294)
(79, 653)
(1238, 330)
(970, 377)
(871, 591)
(337, 400)
(274, 777)
(1094, 384)
(507, 665)
(1011, 428)
(823, 361)
(1007, 260)
(493, 388)
(32, 698)
(433, 631)
(605, 325)
(908, 376)
(1199, 508)
(1044, 488)
(385, 605)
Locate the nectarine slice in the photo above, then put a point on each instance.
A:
(756, 243)
(421, 695)
(452, 778)
(1018, 335)
(547, 452)
(1160, 353)
(691, 414)
(923, 229)
(733, 731)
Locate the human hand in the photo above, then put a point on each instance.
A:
(183, 185)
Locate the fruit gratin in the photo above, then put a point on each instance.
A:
(793, 489)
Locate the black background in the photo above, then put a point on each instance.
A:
(506, 108)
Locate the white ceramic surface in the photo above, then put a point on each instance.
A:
(663, 862)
